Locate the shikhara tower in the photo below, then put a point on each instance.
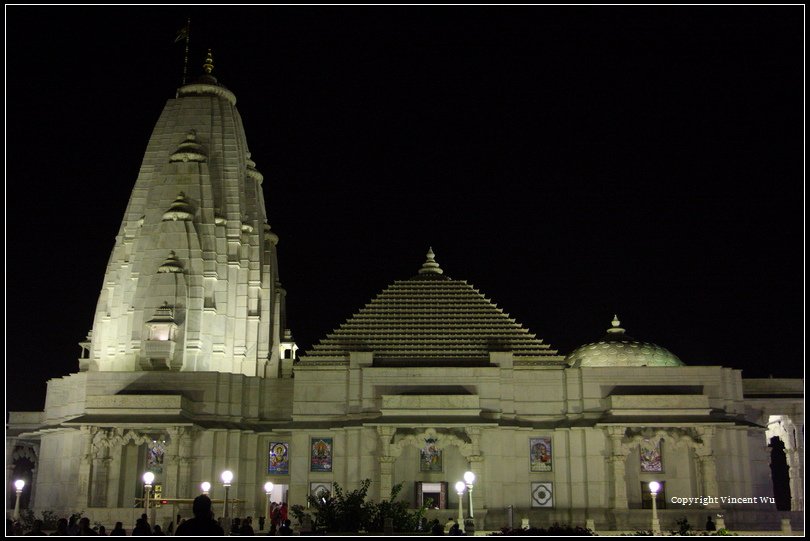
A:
(192, 283)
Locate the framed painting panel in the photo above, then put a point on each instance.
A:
(320, 454)
(430, 457)
(650, 455)
(278, 459)
(540, 454)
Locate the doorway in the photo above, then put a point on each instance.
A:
(431, 495)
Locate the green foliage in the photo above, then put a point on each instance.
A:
(48, 518)
(723, 531)
(350, 512)
(554, 530)
(684, 528)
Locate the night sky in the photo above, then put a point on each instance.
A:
(570, 162)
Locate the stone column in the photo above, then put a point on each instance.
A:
(708, 464)
(85, 467)
(33, 500)
(477, 464)
(386, 457)
(171, 462)
(114, 475)
(101, 469)
(10, 493)
(796, 479)
(616, 461)
(186, 459)
(386, 476)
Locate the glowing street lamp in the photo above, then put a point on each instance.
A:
(206, 487)
(227, 477)
(19, 484)
(460, 491)
(469, 479)
(268, 489)
(655, 486)
(148, 478)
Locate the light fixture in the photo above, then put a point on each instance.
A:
(206, 487)
(655, 486)
(19, 484)
(227, 477)
(460, 486)
(148, 477)
(268, 487)
(469, 479)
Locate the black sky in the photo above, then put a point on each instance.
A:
(570, 162)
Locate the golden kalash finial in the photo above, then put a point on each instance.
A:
(209, 63)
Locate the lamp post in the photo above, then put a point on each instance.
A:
(19, 484)
(469, 524)
(148, 478)
(460, 491)
(469, 479)
(268, 489)
(655, 486)
(206, 487)
(227, 477)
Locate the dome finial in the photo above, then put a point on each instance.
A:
(614, 325)
(430, 265)
(208, 66)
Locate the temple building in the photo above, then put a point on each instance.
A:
(190, 370)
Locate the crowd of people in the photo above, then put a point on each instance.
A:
(203, 523)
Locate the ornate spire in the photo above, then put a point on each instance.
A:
(614, 325)
(208, 66)
(430, 266)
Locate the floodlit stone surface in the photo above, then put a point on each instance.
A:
(189, 362)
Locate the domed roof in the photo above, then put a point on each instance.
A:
(618, 349)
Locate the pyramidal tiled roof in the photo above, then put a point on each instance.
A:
(431, 317)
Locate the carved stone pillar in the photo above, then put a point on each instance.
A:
(386, 476)
(171, 462)
(101, 469)
(114, 475)
(477, 463)
(85, 467)
(185, 460)
(796, 479)
(708, 464)
(616, 465)
(386, 458)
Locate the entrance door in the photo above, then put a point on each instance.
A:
(431, 495)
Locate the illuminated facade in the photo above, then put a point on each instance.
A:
(188, 371)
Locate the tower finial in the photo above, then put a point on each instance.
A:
(209, 63)
(430, 265)
(614, 325)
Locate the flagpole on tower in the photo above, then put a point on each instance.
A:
(185, 33)
(185, 57)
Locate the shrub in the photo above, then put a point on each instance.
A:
(553, 530)
(350, 512)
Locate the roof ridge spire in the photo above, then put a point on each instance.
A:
(614, 325)
(430, 266)
(208, 66)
